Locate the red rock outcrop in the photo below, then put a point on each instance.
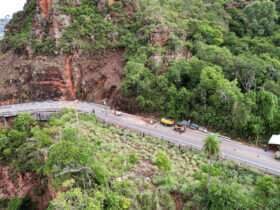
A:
(45, 6)
(26, 76)
(100, 76)
(21, 185)
(68, 77)
(49, 21)
(86, 77)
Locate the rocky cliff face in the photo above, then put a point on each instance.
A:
(74, 49)
(68, 77)
(25, 75)
(29, 186)
(49, 21)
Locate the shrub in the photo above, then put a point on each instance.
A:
(24, 122)
(162, 160)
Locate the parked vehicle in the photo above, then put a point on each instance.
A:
(180, 128)
(194, 126)
(274, 145)
(167, 121)
(204, 130)
(117, 113)
(185, 123)
(277, 155)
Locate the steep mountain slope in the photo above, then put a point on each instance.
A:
(216, 62)
(31, 69)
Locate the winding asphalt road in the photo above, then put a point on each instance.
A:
(232, 150)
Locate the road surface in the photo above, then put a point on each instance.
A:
(232, 150)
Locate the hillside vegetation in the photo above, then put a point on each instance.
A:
(216, 62)
(91, 165)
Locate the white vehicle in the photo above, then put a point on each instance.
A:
(117, 113)
(277, 155)
(274, 143)
(204, 130)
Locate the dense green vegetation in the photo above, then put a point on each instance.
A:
(95, 166)
(232, 81)
(215, 62)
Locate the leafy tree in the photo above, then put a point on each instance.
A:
(211, 147)
(256, 128)
(261, 17)
(267, 105)
(217, 96)
(216, 55)
(138, 79)
(185, 72)
(209, 34)
(249, 71)
(238, 21)
(183, 99)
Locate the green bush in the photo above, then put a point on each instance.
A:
(162, 160)
(14, 204)
(24, 122)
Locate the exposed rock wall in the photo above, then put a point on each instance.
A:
(26, 76)
(21, 185)
(49, 20)
(45, 7)
(86, 77)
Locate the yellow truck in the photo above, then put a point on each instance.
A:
(167, 121)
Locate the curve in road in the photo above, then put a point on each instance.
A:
(232, 150)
